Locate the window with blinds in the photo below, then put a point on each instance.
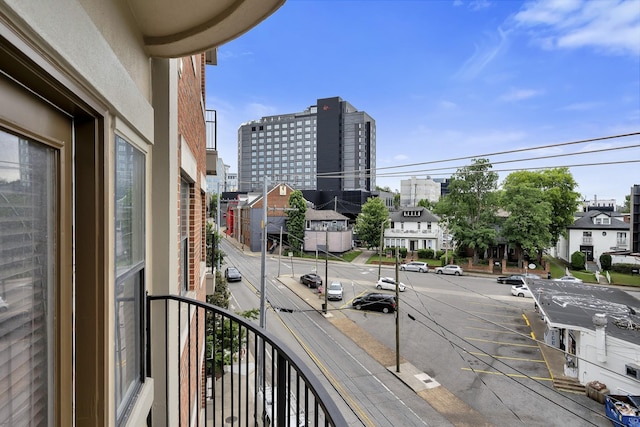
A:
(28, 178)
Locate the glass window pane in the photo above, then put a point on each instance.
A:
(27, 252)
(129, 286)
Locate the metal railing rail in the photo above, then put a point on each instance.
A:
(249, 373)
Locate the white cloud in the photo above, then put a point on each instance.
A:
(257, 110)
(580, 106)
(519, 94)
(483, 55)
(447, 105)
(400, 157)
(611, 26)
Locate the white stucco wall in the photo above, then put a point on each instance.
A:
(612, 372)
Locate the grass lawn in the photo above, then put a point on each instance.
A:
(558, 270)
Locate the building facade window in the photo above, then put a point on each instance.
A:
(129, 274)
(184, 235)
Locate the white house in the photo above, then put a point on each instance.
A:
(413, 228)
(594, 233)
(597, 328)
(323, 226)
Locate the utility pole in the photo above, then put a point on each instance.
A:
(217, 216)
(326, 270)
(380, 248)
(397, 316)
(280, 251)
(263, 257)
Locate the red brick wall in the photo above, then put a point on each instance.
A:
(192, 132)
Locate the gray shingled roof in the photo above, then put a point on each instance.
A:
(322, 215)
(585, 221)
(425, 215)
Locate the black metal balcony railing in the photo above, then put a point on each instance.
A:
(248, 371)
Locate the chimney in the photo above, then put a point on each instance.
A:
(600, 322)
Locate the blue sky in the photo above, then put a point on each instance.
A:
(449, 79)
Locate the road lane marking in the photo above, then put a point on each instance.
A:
(520, 359)
(479, 371)
(501, 342)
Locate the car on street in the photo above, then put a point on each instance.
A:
(389, 284)
(232, 274)
(335, 290)
(449, 269)
(3, 305)
(312, 280)
(385, 303)
(516, 279)
(421, 267)
(571, 279)
(521, 291)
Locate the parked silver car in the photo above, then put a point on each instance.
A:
(450, 269)
(335, 290)
(421, 267)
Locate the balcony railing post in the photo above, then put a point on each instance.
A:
(282, 391)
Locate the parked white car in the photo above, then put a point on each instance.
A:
(571, 279)
(521, 291)
(449, 269)
(389, 284)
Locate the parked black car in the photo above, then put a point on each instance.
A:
(516, 279)
(385, 303)
(312, 280)
(232, 274)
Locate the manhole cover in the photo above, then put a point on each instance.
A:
(231, 420)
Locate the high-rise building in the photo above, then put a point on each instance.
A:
(634, 203)
(330, 146)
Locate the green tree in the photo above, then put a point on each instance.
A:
(295, 218)
(558, 189)
(527, 225)
(425, 203)
(213, 244)
(470, 207)
(626, 208)
(213, 206)
(396, 200)
(369, 223)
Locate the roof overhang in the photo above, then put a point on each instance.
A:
(172, 29)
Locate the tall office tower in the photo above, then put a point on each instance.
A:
(635, 218)
(330, 146)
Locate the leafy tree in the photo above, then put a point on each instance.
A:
(387, 189)
(396, 200)
(471, 205)
(527, 225)
(295, 218)
(213, 206)
(371, 220)
(213, 244)
(558, 189)
(426, 203)
(626, 208)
